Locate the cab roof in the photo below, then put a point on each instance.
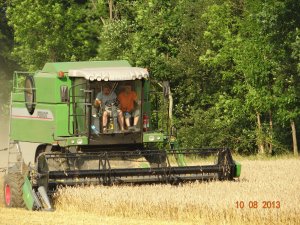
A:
(110, 73)
(55, 67)
(98, 70)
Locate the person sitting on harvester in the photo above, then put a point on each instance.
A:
(106, 98)
(128, 98)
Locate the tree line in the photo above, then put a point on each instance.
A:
(233, 65)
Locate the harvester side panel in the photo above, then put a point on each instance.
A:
(48, 87)
(48, 122)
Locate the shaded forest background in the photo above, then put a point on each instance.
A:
(233, 65)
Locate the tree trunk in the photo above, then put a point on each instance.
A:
(94, 5)
(295, 146)
(271, 134)
(260, 144)
(110, 9)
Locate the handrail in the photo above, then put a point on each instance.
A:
(16, 78)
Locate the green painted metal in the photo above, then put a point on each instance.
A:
(50, 117)
(18, 97)
(180, 159)
(147, 103)
(25, 127)
(27, 194)
(153, 137)
(238, 168)
(48, 87)
(69, 141)
(19, 79)
(55, 67)
(78, 90)
(144, 165)
(47, 122)
(61, 120)
(50, 121)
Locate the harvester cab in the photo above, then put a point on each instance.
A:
(97, 122)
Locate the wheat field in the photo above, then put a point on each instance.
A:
(269, 190)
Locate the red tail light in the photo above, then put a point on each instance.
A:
(61, 74)
(145, 122)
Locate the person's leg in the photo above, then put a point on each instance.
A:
(104, 121)
(127, 119)
(135, 120)
(136, 115)
(121, 120)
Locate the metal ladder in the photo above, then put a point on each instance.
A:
(14, 155)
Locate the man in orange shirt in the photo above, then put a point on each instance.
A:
(106, 98)
(127, 99)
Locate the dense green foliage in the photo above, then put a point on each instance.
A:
(7, 64)
(52, 31)
(233, 65)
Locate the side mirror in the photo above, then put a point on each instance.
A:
(166, 88)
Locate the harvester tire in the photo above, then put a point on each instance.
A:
(13, 183)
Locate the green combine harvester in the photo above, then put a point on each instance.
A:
(53, 112)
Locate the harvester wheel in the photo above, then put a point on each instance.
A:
(13, 183)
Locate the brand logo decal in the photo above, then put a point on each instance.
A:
(39, 114)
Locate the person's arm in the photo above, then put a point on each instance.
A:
(98, 101)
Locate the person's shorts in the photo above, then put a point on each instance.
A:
(109, 110)
(133, 113)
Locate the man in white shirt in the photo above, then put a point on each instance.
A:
(106, 99)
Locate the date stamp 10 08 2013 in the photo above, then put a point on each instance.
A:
(257, 204)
